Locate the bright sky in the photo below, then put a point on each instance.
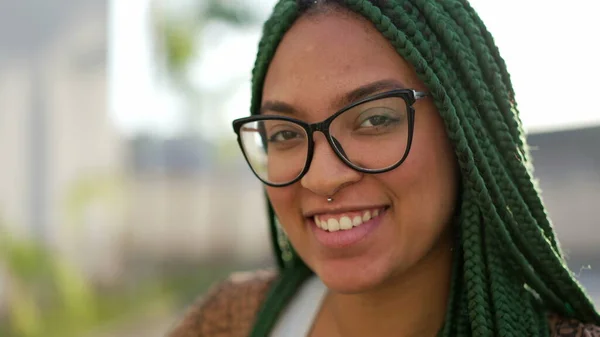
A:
(551, 49)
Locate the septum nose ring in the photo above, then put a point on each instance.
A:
(329, 199)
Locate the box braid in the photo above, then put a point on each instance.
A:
(508, 270)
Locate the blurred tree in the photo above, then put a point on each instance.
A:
(179, 42)
(178, 35)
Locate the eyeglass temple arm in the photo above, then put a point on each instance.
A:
(419, 94)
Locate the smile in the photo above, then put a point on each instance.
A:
(347, 220)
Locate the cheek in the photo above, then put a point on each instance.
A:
(427, 181)
(284, 201)
(433, 155)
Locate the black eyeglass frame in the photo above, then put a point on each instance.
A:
(409, 96)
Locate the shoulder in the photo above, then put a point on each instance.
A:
(228, 309)
(567, 327)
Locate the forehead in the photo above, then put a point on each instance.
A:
(325, 56)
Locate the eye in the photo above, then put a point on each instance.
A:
(375, 121)
(379, 117)
(284, 135)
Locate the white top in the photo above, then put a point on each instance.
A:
(297, 318)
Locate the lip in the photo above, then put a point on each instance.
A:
(346, 238)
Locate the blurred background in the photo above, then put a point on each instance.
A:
(123, 194)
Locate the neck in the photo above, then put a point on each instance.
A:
(411, 304)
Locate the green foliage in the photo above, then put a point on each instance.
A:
(178, 36)
(39, 283)
(178, 43)
(178, 40)
(236, 15)
(46, 294)
(49, 298)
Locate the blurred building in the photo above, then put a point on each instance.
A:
(56, 138)
(187, 206)
(567, 163)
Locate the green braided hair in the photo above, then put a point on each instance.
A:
(508, 270)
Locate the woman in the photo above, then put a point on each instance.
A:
(387, 136)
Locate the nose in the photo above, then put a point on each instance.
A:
(327, 174)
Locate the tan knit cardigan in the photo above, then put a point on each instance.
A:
(230, 307)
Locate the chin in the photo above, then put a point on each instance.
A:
(350, 279)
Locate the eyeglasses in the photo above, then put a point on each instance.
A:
(372, 135)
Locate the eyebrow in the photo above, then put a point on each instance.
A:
(346, 99)
(367, 90)
(278, 106)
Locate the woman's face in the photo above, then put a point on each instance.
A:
(321, 59)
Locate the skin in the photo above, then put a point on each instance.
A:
(402, 269)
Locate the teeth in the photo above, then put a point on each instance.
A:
(323, 224)
(345, 222)
(366, 216)
(333, 225)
